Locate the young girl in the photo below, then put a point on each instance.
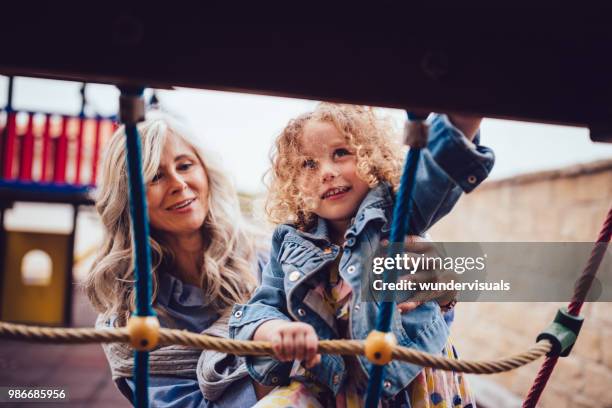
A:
(333, 179)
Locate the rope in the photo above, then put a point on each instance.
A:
(131, 105)
(399, 229)
(580, 291)
(138, 207)
(245, 347)
(583, 284)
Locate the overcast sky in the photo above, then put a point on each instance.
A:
(242, 127)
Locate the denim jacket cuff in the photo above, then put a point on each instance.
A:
(466, 163)
(245, 319)
(268, 371)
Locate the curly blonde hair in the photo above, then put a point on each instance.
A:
(372, 137)
(229, 257)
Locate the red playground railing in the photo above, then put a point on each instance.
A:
(55, 156)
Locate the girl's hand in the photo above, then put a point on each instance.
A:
(291, 341)
(468, 124)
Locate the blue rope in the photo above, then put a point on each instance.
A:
(141, 379)
(140, 226)
(399, 229)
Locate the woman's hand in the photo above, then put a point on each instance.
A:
(406, 307)
(415, 246)
(291, 341)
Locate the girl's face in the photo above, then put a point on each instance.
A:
(330, 173)
(178, 194)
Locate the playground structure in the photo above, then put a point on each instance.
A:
(45, 158)
(582, 105)
(144, 334)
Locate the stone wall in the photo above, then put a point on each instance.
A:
(554, 206)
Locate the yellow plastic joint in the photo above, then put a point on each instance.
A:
(144, 332)
(379, 347)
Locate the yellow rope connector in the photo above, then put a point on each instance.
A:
(379, 347)
(144, 332)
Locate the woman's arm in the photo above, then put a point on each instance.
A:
(175, 392)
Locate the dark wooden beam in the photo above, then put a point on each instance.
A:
(532, 63)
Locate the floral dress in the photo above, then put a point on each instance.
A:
(430, 389)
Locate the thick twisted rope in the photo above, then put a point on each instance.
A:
(243, 347)
(581, 290)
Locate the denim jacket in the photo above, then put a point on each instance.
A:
(449, 166)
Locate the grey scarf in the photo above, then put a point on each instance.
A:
(215, 371)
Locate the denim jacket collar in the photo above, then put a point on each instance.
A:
(320, 232)
(377, 205)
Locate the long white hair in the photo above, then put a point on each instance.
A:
(229, 259)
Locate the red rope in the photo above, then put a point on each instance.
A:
(586, 279)
(580, 291)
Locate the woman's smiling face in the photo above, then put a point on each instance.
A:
(178, 194)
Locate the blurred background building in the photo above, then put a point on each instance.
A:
(563, 205)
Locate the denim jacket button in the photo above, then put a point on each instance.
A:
(357, 307)
(238, 314)
(336, 379)
(472, 179)
(301, 312)
(295, 275)
(327, 250)
(387, 384)
(351, 269)
(384, 242)
(274, 380)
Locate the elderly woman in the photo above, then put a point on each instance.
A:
(204, 261)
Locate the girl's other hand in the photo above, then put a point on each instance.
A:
(291, 341)
(417, 246)
(406, 307)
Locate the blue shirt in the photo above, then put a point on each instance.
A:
(184, 304)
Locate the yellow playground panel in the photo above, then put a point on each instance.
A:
(35, 278)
